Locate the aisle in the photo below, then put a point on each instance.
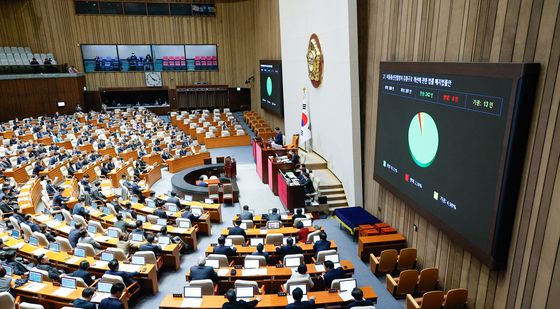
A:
(260, 198)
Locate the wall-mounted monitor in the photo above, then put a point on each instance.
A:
(100, 58)
(201, 57)
(450, 142)
(272, 97)
(135, 58)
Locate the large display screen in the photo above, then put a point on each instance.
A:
(272, 98)
(450, 141)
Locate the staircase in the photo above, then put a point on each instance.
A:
(335, 195)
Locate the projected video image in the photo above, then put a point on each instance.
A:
(272, 97)
(441, 144)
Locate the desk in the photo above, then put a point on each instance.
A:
(66, 144)
(108, 152)
(323, 298)
(215, 210)
(261, 159)
(152, 175)
(116, 174)
(18, 173)
(203, 221)
(258, 220)
(87, 148)
(29, 196)
(273, 168)
(292, 196)
(88, 170)
(228, 141)
(48, 295)
(54, 172)
(128, 155)
(377, 243)
(152, 159)
(255, 232)
(177, 165)
(69, 263)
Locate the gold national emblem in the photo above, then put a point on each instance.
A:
(315, 61)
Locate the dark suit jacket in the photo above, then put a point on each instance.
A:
(203, 272)
(283, 250)
(82, 303)
(321, 245)
(174, 200)
(240, 304)
(160, 213)
(236, 230)
(151, 247)
(111, 303)
(127, 277)
(301, 305)
(337, 273)
(360, 303)
(224, 250)
(80, 273)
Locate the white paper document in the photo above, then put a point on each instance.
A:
(291, 299)
(255, 272)
(74, 260)
(34, 287)
(191, 303)
(223, 272)
(129, 268)
(40, 251)
(320, 268)
(65, 229)
(98, 297)
(63, 292)
(52, 223)
(345, 296)
(100, 264)
(42, 218)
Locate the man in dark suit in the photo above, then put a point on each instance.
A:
(278, 139)
(150, 245)
(289, 248)
(297, 294)
(321, 244)
(139, 229)
(83, 273)
(359, 300)
(29, 221)
(51, 188)
(237, 230)
(202, 272)
(233, 303)
(84, 302)
(173, 199)
(332, 273)
(274, 216)
(74, 235)
(298, 214)
(127, 277)
(246, 214)
(113, 302)
(221, 248)
(59, 201)
(160, 213)
(260, 251)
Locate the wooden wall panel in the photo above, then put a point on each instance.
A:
(267, 47)
(476, 31)
(38, 96)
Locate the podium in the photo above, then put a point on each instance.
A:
(292, 195)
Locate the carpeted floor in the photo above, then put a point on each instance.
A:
(259, 197)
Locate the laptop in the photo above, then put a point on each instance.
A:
(213, 263)
(244, 292)
(113, 233)
(55, 247)
(107, 256)
(307, 222)
(229, 242)
(274, 225)
(196, 211)
(333, 258)
(141, 218)
(292, 262)
(208, 201)
(164, 240)
(79, 252)
(58, 217)
(106, 211)
(162, 222)
(69, 283)
(15, 234)
(256, 241)
(172, 208)
(33, 241)
(243, 225)
(316, 238)
(104, 287)
(251, 264)
(188, 198)
(184, 224)
(92, 229)
(150, 203)
(73, 224)
(347, 285)
(192, 292)
(303, 288)
(35, 276)
(137, 237)
(138, 260)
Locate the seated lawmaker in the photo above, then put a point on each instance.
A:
(233, 303)
(84, 302)
(302, 233)
(82, 272)
(332, 273)
(246, 214)
(274, 216)
(202, 272)
(173, 199)
(151, 245)
(114, 301)
(127, 277)
(260, 251)
(221, 248)
(5, 281)
(321, 244)
(289, 248)
(299, 214)
(200, 182)
(237, 230)
(301, 273)
(359, 300)
(297, 294)
(278, 139)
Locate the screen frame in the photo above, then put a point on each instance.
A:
(278, 63)
(524, 78)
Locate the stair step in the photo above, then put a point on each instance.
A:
(331, 191)
(335, 197)
(335, 203)
(334, 186)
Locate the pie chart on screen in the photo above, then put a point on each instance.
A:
(269, 86)
(423, 139)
